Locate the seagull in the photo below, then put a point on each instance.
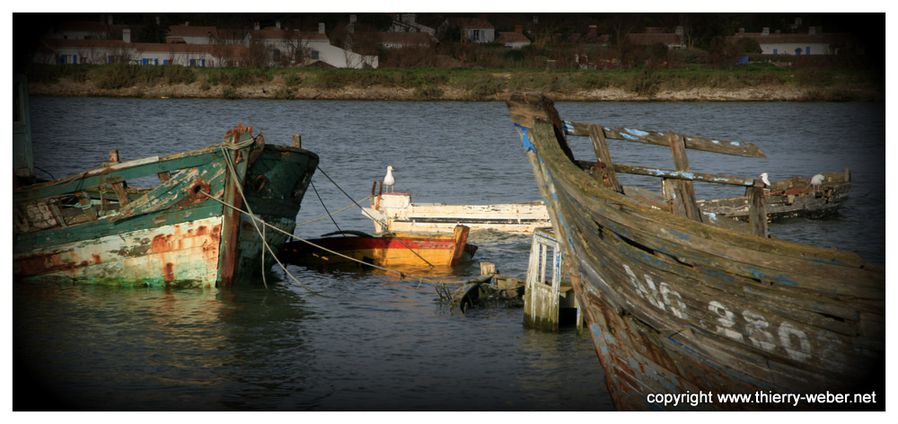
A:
(389, 180)
(817, 180)
(764, 179)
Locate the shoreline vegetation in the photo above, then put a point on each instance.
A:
(754, 82)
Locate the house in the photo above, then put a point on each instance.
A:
(658, 35)
(514, 40)
(405, 22)
(476, 30)
(811, 43)
(404, 40)
(187, 34)
(73, 52)
(304, 48)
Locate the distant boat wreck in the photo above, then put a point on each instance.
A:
(185, 231)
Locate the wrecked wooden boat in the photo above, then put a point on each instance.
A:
(819, 196)
(186, 231)
(395, 211)
(676, 304)
(405, 250)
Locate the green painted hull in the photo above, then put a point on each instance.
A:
(90, 228)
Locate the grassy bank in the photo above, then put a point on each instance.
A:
(757, 82)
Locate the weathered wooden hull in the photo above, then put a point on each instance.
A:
(183, 232)
(676, 306)
(394, 250)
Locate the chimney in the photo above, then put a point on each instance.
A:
(321, 27)
(158, 21)
(765, 31)
(126, 35)
(408, 18)
(186, 23)
(679, 31)
(109, 20)
(518, 28)
(352, 19)
(277, 24)
(812, 30)
(257, 26)
(535, 19)
(742, 30)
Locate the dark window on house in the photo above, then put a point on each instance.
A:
(798, 51)
(203, 62)
(75, 59)
(192, 62)
(166, 62)
(315, 55)
(156, 61)
(61, 59)
(807, 50)
(145, 61)
(776, 51)
(475, 35)
(109, 60)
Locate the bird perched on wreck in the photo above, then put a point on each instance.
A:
(817, 181)
(764, 179)
(389, 181)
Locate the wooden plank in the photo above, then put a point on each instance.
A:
(164, 176)
(609, 177)
(757, 212)
(684, 189)
(704, 177)
(727, 147)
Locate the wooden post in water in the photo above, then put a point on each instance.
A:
(487, 268)
(297, 140)
(757, 212)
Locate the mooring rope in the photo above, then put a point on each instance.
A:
(260, 232)
(320, 200)
(382, 223)
(402, 275)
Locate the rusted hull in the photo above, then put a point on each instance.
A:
(396, 250)
(181, 233)
(675, 306)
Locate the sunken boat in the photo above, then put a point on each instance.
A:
(677, 304)
(192, 228)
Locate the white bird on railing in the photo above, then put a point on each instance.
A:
(764, 179)
(389, 180)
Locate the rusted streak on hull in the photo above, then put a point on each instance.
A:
(180, 253)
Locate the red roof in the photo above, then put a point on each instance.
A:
(218, 50)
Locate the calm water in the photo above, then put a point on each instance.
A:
(373, 342)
